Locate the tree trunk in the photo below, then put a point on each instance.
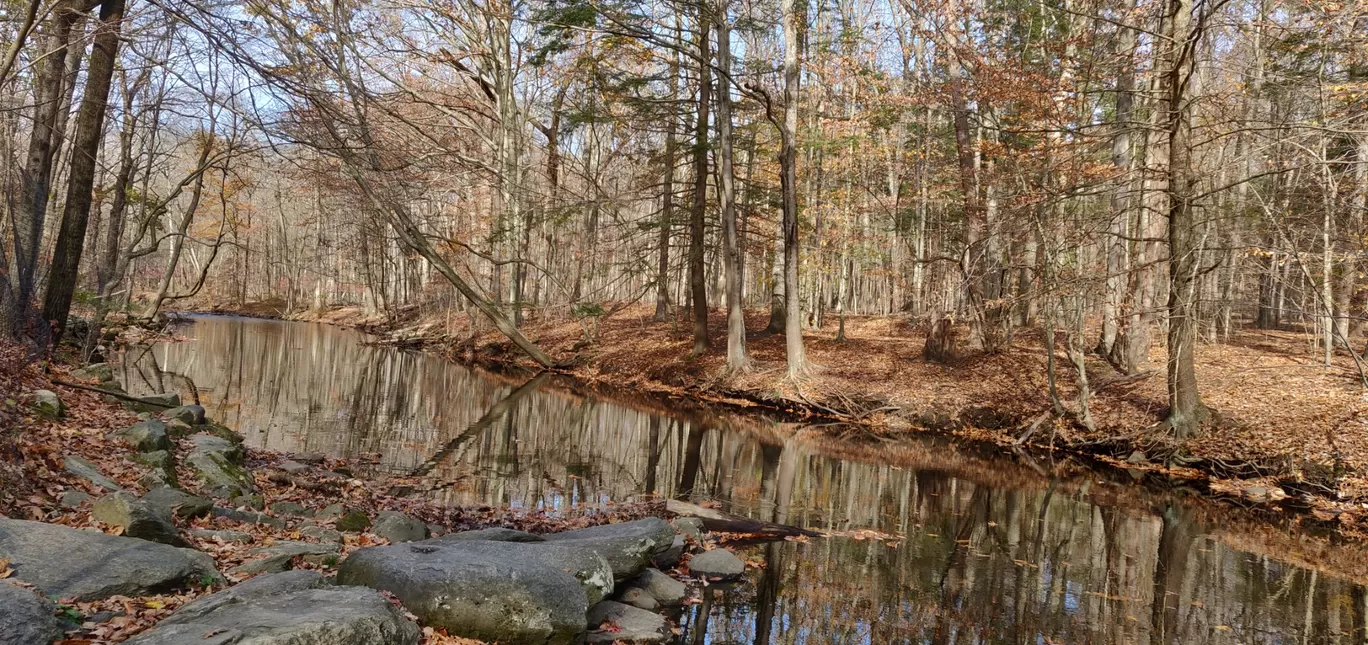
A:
(66, 254)
(737, 359)
(662, 310)
(36, 176)
(1186, 410)
(793, 12)
(697, 281)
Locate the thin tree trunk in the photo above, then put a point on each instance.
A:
(697, 281)
(793, 12)
(737, 359)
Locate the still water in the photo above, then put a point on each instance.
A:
(972, 550)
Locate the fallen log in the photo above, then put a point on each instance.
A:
(717, 521)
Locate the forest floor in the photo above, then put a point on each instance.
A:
(1286, 431)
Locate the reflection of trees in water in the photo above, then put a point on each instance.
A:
(978, 564)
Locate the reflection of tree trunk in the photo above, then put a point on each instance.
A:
(953, 580)
(652, 456)
(767, 591)
(1168, 576)
(788, 472)
(769, 466)
(495, 412)
(689, 474)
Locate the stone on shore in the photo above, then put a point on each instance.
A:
(174, 502)
(217, 462)
(137, 519)
(98, 372)
(321, 533)
(293, 467)
(353, 521)
(73, 498)
(689, 527)
(27, 618)
(163, 467)
(291, 509)
(717, 563)
(146, 436)
(78, 466)
(280, 556)
(627, 546)
(397, 527)
(293, 608)
(191, 414)
(613, 622)
(64, 562)
(664, 589)
(515, 594)
(638, 598)
(48, 405)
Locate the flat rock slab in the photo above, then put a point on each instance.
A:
(613, 622)
(25, 617)
(280, 556)
(505, 592)
(628, 547)
(174, 502)
(282, 614)
(492, 535)
(88, 565)
(717, 563)
(79, 467)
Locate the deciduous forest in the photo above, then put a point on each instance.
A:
(1130, 231)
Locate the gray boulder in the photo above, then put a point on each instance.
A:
(321, 533)
(174, 502)
(191, 414)
(397, 527)
(492, 535)
(136, 518)
(47, 404)
(163, 467)
(98, 372)
(78, 466)
(670, 557)
(294, 610)
(218, 462)
(73, 498)
(146, 436)
(512, 593)
(613, 622)
(638, 598)
(280, 556)
(689, 527)
(26, 618)
(88, 565)
(664, 589)
(717, 563)
(627, 546)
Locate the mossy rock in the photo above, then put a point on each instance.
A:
(353, 521)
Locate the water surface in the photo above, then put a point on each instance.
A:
(973, 550)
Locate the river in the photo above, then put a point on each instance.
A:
(969, 549)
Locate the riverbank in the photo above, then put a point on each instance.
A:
(1288, 435)
(138, 517)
